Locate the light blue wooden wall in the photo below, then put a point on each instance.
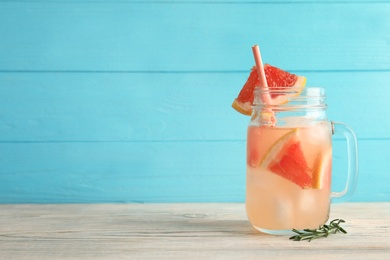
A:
(129, 101)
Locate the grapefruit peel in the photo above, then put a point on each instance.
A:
(322, 170)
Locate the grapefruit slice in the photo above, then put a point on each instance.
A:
(322, 170)
(275, 78)
(285, 158)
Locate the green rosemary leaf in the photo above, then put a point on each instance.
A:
(322, 231)
(343, 230)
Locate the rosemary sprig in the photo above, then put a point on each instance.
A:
(322, 231)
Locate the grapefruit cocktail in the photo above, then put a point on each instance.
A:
(288, 175)
(289, 151)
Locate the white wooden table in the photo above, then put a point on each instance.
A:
(179, 231)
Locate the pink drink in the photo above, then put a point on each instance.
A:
(289, 175)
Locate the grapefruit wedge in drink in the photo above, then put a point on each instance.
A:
(286, 159)
(322, 170)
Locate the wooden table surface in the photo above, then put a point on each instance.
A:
(179, 231)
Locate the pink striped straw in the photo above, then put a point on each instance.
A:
(260, 70)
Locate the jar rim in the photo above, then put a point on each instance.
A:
(307, 91)
(290, 97)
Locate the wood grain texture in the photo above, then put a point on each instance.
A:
(165, 106)
(192, 36)
(178, 231)
(112, 101)
(154, 172)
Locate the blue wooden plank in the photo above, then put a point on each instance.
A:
(120, 172)
(155, 172)
(165, 106)
(129, 101)
(196, 36)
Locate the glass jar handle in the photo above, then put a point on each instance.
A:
(352, 149)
